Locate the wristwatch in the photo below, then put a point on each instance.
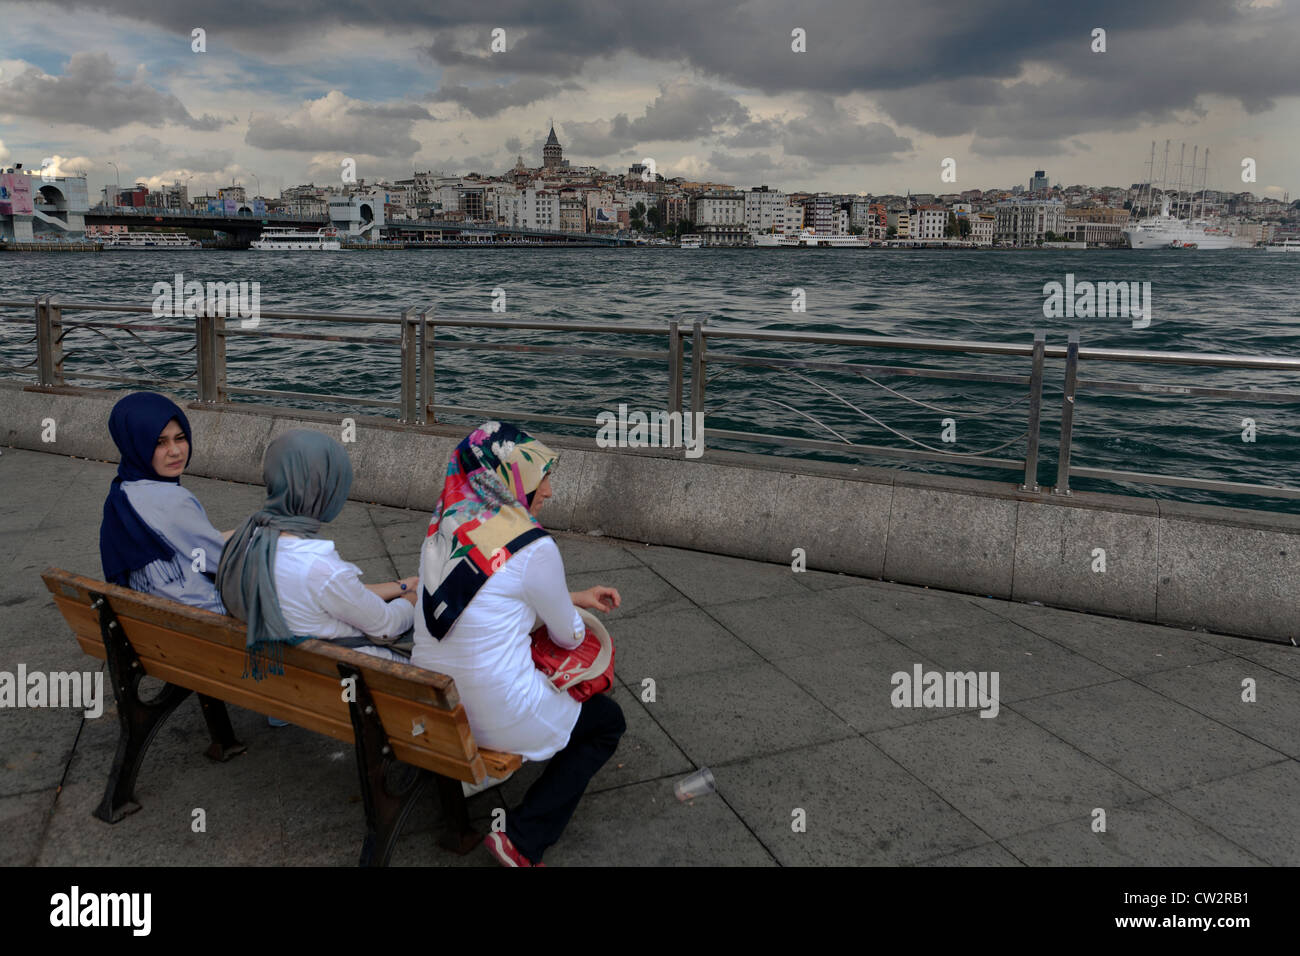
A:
(402, 585)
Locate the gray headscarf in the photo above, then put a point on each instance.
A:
(307, 476)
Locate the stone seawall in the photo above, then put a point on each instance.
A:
(1195, 566)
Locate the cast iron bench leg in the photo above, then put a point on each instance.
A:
(455, 834)
(224, 745)
(139, 719)
(389, 787)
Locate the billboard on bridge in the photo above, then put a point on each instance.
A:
(15, 194)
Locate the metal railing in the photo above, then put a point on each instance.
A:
(1074, 386)
(420, 336)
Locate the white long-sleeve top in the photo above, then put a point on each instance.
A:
(488, 652)
(322, 595)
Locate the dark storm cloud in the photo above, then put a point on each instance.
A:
(336, 123)
(90, 93)
(488, 101)
(681, 111)
(1161, 54)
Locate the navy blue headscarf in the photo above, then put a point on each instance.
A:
(126, 543)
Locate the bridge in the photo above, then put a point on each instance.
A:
(244, 227)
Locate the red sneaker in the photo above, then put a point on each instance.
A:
(499, 845)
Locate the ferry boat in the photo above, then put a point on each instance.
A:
(278, 239)
(1286, 245)
(811, 240)
(692, 242)
(149, 240)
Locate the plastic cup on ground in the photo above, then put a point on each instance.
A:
(696, 785)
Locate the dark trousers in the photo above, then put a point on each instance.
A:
(546, 808)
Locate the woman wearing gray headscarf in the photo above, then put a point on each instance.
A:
(289, 584)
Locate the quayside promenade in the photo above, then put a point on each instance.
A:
(778, 681)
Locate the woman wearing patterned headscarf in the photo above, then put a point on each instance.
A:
(488, 569)
(155, 536)
(288, 583)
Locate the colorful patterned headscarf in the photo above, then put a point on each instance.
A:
(482, 518)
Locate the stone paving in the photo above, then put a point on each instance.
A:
(780, 682)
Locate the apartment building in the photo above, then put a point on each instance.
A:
(1024, 222)
(929, 222)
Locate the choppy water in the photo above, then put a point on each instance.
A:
(1240, 302)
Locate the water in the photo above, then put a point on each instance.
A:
(1240, 302)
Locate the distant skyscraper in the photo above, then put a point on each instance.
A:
(552, 152)
(1039, 182)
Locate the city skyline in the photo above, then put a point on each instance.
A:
(1002, 90)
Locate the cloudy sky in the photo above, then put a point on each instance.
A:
(882, 93)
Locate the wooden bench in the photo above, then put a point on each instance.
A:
(407, 723)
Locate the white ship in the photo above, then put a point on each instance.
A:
(1286, 245)
(278, 239)
(1174, 230)
(149, 240)
(1168, 232)
(691, 242)
(808, 239)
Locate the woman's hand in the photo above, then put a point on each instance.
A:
(599, 598)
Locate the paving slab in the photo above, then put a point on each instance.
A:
(1215, 690)
(1158, 743)
(1257, 810)
(1006, 774)
(843, 803)
(1140, 834)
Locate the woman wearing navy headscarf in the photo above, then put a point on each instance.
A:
(155, 536)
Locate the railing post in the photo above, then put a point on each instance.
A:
(425, 412)
(675, 346)
(1067, 415)
(697, 372)
(49, 340)
(44, 350)
(409, 367)
(211, 348)
(1035, 413)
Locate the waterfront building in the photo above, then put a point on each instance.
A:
(981, 228)
(1025, 222)
(1093, 233)
(822, 213)
(766, 210)
(529, 208)
(237, 193)
(35, 208)
(573, 210)
(719, 217)
(357, 217)
(930, 221)
(673, 209)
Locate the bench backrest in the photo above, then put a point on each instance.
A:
(206, 652)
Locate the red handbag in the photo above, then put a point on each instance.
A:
(586, 669)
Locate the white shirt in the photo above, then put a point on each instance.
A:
(322, 595)
(510, 704)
